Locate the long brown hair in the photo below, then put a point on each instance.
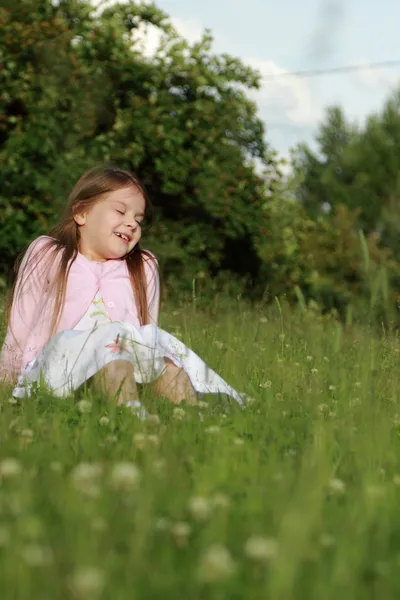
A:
(64, 245)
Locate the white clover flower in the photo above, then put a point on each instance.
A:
(87, 582)
(104, 421)
(125, 475)
(10, 467)
(323, 407)
(84, 406)
(357, 384)
(178, 413)
(314, 370)
(200, 508)
(153, 439)
(219, 345)
(27, 433)
(162, 524)
(238, 441)
(261, 549)
(139, 440)
(263, 320)
(202, 404)
(337, 486)
(37, 556)
(309, 358)
(216, 564)
(153, 419)
(85, 478)
(332, 388)
(159, 465)
(212, 430)
(12, 401)
(266, 385)
(180, 532)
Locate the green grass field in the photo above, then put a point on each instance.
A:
(295, 497)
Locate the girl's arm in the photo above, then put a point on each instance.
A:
(153, 288)
(25, 311)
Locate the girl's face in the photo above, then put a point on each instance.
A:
(112, 226)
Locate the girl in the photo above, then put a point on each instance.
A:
(85, 304)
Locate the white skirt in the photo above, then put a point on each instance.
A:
(71, 357)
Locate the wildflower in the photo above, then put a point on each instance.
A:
(180, 532)
(10, 467)
(178, 413)
(37, 556)
(309, 358)
(332, 388)
(153, 439)
(12, 401)
(159, 465)
(337, 486)
(202, 404)
(266, 385)
(85, 478)
(220, 345)
(139, 440)
(104, 421)
(27, 433)
(216, 564)
(162, 524)
(87, 582)
(200, 508)
(250, 400)
(84, 406)
(323, 407)
(261, 549)
(153, 419)
(314, 370)
(213, 430)
(263, 320)
(125, 475)
(396, 480)
(326, 359)
(238, 441)
(357, 384)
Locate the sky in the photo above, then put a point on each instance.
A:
(283, 36)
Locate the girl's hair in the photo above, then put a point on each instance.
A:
(90, 188)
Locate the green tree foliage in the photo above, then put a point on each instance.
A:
(76, 90)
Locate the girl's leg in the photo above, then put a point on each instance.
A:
(174, 384)
(116, 379)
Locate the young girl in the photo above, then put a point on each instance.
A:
(85, 304)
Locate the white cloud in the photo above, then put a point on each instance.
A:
(371, 78)
(284, 98)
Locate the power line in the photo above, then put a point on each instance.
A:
(388, 64)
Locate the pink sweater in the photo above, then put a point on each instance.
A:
(31, 312)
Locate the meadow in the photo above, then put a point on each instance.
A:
(294, 497)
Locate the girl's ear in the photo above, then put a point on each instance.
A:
(80, 219)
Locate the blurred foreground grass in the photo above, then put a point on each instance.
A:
(295, 497)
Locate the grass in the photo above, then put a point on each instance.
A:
(295, 497)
